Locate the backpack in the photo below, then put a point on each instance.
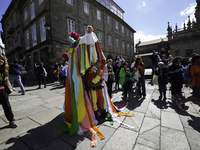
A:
(186, 73)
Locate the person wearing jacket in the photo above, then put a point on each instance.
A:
(108, 76)
(41, 75)
(4, 84)
(125, 80)
(141, 68)
(162, 73)
(195, 83)
(15, 75)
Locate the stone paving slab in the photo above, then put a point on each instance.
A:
(173, 139)
(120, 141)
(27, 112)
(55, 104)
(149, 124)
(143, 104)
(106, 131)
(193, 137)
(171, 120)
(150, 138)
(142, 147)
(43, 135)
(153, 111)
(14, 144)
(57, 144)
(134, 121)
(45, 116)
(24, 126)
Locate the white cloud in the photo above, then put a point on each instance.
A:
(189, 10)
(1, 43)
(144, 4)
(143, 38)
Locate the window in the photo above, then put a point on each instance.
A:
(25, 13)
(34, 37)
(123, 45)
(109, 39)
(131, 35)
(132, 48)
(27, 39)
(85, 28)
(127, 46)
(127, 32)
(99, 36)
(71, 25)
(122, 29)
(42, 29)
(117, 42)
(40, 1)
(32, 10)
(98, 15)
(70, 2)
(86, 8)
(108, 20)
(116, 25)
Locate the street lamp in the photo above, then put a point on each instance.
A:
(47, 27)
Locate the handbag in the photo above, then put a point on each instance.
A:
(155, 79)
(2, 89)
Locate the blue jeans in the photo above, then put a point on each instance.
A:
(162, 89)
(154, 65)
(17, 78)
(141, 81)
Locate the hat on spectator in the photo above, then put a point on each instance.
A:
(160, 63)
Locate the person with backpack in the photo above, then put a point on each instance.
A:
(41, 75)
(176, 80)
(195, 83)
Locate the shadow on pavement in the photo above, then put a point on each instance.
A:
(161, 104)
(45, 137)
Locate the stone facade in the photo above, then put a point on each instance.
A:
(24, 34)
(179, 42)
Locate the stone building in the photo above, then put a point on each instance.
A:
(38, 30)
(145, 49)
(178, 42)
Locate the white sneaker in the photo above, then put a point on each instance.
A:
(13, 89)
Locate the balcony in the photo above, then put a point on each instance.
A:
(17, 45)
(10, 28)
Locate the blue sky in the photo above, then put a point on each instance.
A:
(147, 17)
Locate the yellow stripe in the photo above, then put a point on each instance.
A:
(81, 102)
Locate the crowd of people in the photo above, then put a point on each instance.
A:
(123, 74)
(164, 71)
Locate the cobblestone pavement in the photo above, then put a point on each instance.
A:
(161, 125)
